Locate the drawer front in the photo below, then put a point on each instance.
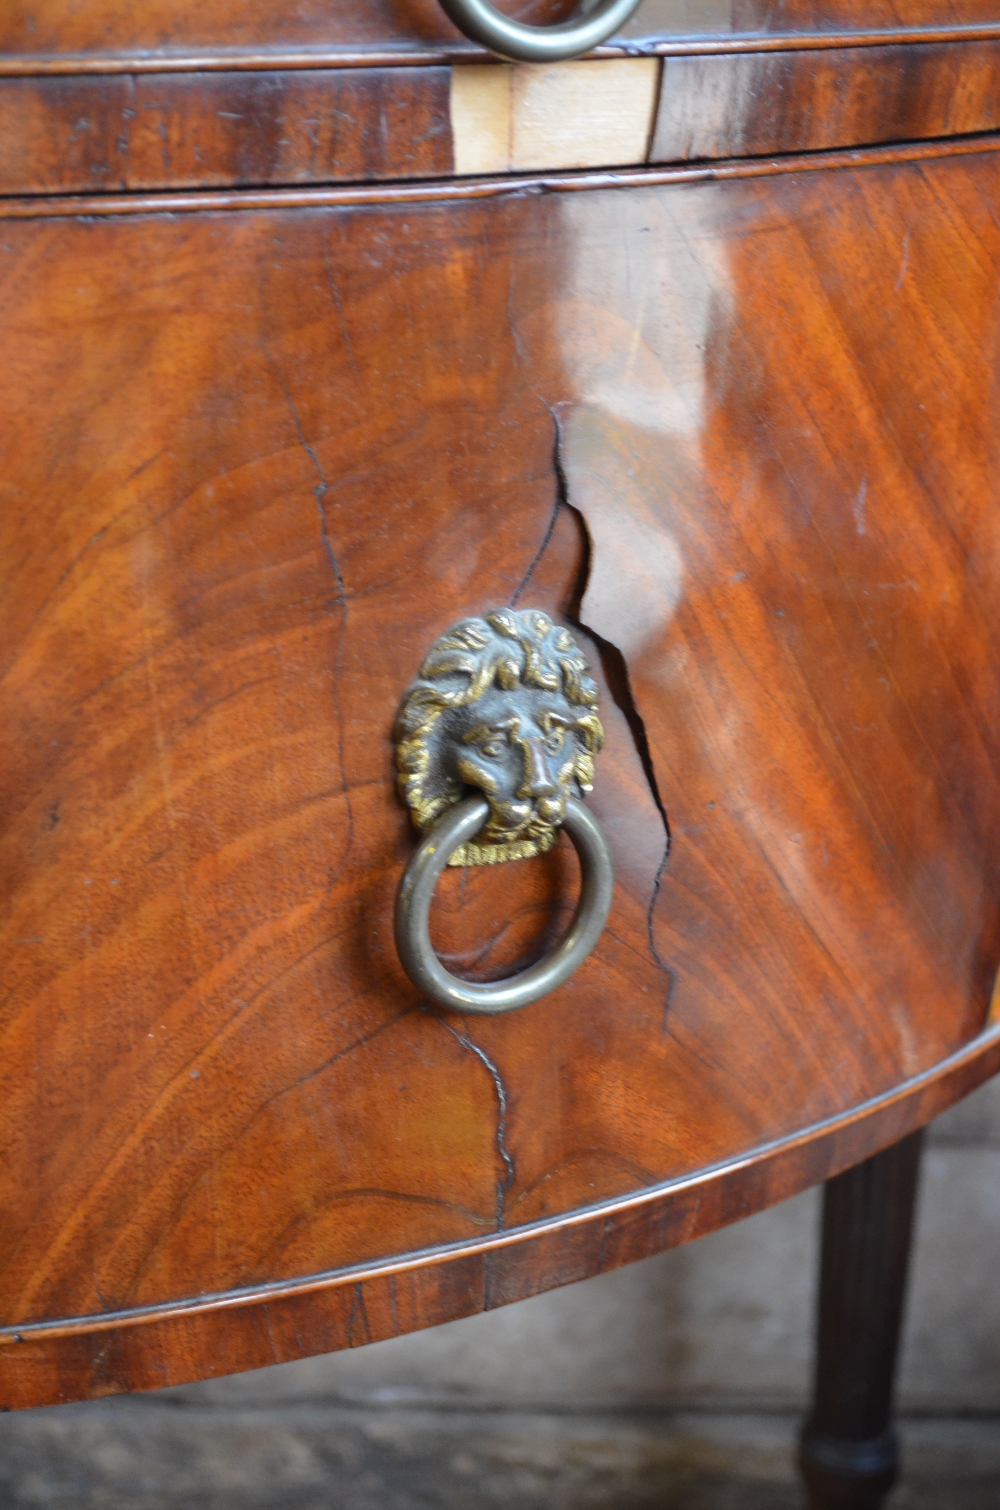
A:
(59, 32)
(742, 436)
(257, 127)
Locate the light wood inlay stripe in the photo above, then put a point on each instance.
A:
(288, 129)
(518, 117)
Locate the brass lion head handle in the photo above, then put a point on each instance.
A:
(503, 706)
(495, 744)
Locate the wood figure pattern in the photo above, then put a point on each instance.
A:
(39, 32)
(737, 434)
(260, 461)
(197, 130)
(300, 126)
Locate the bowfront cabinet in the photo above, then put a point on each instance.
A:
(640, 412)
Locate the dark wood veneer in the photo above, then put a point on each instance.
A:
(61, 135)
(60, 35)
(201, 130)
(257, 461)
(732, 418)
(756, 104)
(500, 187)
(209, 1336)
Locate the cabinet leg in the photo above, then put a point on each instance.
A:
(848, 1454)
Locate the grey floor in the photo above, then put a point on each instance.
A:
(164, 1455)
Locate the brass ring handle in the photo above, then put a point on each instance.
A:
(539, 44)
(413, 902)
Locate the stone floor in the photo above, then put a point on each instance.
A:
(157, 1454)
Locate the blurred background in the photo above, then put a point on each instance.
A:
(676, 1384)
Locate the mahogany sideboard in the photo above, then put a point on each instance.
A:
(325, 331)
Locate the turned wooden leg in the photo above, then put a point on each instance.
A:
(848, 1453)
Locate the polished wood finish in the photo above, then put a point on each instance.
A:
(60, 35)
(257, 462)
(54, 27)
(210, 1336)
(849, 1455)
(735, 423)
(208, 130)
(201, 130)
(754, 104)
(458, 190)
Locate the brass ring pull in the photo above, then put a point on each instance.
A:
(539, 44)
(413, 902)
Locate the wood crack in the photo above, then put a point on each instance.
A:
(502, 1185)
(616, 672)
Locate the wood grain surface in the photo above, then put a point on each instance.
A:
(744, 435)
(565, 115)
(498, 186)
(199, 130)
(754, 104)
(210, 1336)
(36, 35)
(28, 27)
(133, 133)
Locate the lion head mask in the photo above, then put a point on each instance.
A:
(503, 705)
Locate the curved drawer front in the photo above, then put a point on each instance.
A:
(58, 34)
(742, 437)
(124, 133)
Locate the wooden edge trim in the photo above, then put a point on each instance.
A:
(952, 1078)
(92, 205)
(29, 64)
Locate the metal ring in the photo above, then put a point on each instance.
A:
(538, 44)
(416, 891)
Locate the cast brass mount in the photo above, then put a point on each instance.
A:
(503, 706)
